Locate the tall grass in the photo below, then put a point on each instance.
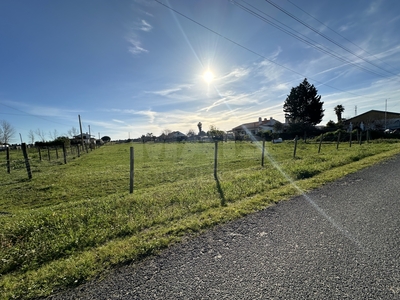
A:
(72, 221)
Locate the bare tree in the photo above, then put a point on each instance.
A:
(73, 132)
(31, 136)
(41, 134)
(53, 135)
(6, 132)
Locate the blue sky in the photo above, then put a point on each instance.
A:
(134, 67)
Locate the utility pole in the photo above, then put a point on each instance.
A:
(80, 127)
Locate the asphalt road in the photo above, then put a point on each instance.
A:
(341, 241)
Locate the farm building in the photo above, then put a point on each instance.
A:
(255, 127)
(375, 120)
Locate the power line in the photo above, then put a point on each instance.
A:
(305, 39)
(370, 54)
(252, 51)
(28, 114)
(325, 36)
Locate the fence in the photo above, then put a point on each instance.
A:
(25, 156)
(320, 143)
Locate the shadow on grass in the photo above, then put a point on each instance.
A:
(220, 191)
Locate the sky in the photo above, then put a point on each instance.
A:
(134, 67)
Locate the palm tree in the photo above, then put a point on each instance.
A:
(339, 109)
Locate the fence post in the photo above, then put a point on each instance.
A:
(262, 155)
(131, 171)
(338, 140)
(351, 137)
(361, 134)
(79, 151)
(57, 152)
(295, 146)
(48, 152)
(8, 160)
(215, 159)
(27, 164)
(40, 154)
(64, 153)
(320, 142)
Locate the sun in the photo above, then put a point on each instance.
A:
(208, 76)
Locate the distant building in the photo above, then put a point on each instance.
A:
(87, 139)
(255, 127)
(375, 120)
(174, 136)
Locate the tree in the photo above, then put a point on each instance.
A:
(41, 134)
(199, 125)
(31, 136)
(339, 109)
(303, 105)
(331, 125)
(73, 132)
(190, 133)
(6, 132)
(278, 127)
(215, 133)
(53, 135)
(106, 139)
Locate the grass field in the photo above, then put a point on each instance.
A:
(73, 222)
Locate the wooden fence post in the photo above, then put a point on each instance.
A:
(40, 154)
(351, 137)
(320, 142)
(262, 155)
(131, 182)
(338, 141)
(295, 146)
(27, 164)
(8, 160)
(64, 153)
(48, 152)
(57, 152)
(215, 160)
(361, 134)
(79, 151)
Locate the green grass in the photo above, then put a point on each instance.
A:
(73, 222)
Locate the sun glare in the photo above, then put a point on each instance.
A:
(208, 76)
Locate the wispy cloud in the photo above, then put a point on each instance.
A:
(144, 26)
(136, 46)
(234, 75)
(148, 113)
(170, 91)
(373, 7)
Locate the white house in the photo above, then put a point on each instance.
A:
(255, 127)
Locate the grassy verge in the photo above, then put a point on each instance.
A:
(72, 222)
